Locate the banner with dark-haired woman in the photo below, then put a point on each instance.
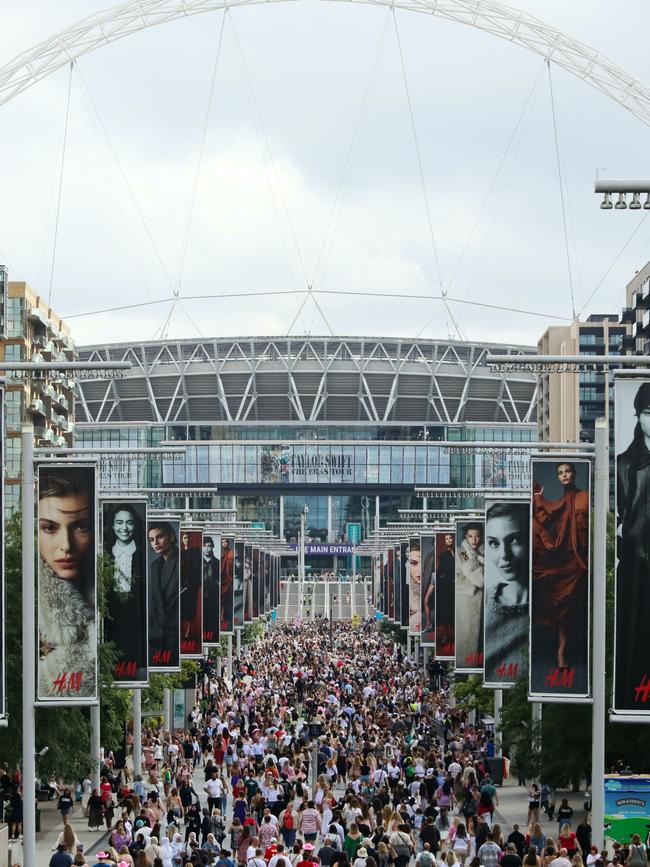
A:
(211, 548)
(227, 584)
(414, 582)
(470, 562)
(124, 524)
(403, 584)
(191, 594)
(255, 579)
(384, 583)
(397, 583)
(67, 585)
(266, 583)
(427, 590)
(164, 594)
(632, 588)
(446, 595)
(390, 594)
(248, 583)
(507, 586)
(560, 579)
(238, 585)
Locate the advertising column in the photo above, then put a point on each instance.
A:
(124, 524)
(632, 588)
(560, 579)
(67, 585)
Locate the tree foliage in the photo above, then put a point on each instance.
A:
(471, 695)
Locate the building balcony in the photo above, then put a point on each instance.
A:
(628, 316)
(628, 344)
(34, 314)
(44, 434)
(60, 400)
(37, 407)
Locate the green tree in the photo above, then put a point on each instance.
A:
(472, 695)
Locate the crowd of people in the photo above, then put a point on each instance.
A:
(400, 776)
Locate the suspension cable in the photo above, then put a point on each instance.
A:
(58, 201)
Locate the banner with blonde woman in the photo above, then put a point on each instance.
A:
(124, 536)
(414, 578)
(470, 563)
(67, 585)
(427, 591)
(560, 579)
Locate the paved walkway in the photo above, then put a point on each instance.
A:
(513, 808)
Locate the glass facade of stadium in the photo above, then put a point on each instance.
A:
(348, 470)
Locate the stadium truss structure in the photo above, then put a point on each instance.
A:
(502, 21)
(307, 379)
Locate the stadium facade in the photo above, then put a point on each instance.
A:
(347, 426)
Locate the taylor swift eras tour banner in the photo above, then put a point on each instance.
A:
(632, 588)
(445, 595)
(124, 536)
(191, 594)
(164, 594)
(559, 581)
(227, 586)
(414, 578)
(67, 585)
(470, 562)
(211, 549)
(256, 582)
(427, 590)
(505, 598)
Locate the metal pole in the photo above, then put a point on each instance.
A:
(29, 651)
(229, 660)
(601, 505)
(95, 744)
(137, 732)
(239, 644)
(537, 722)
(498, 741)
(353, 581)
(314, 763)
(166, 710)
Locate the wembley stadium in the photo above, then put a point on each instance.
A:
(346, 426)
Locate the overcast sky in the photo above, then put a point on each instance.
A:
(265, 216)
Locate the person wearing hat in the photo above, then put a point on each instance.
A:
(308, 856)
(102, 858)
(362, 857)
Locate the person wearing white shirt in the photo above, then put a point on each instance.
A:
(562, 859)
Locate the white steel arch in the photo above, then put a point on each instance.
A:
(505, 22)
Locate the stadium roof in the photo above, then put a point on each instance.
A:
(308, 380)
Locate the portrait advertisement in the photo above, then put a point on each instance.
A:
(506, 614)
(210, 554)
(164, 594)
(191, 594)
(266, 583)
(390, 594)
(227, 584)
(404, 584)
(632, 587)
(384, 584)
(559, 580)
(256, 582)
(468, 594)
(124, 537)
(445, 608)
(67, 584)
(276, 580)
(428, 591)
(248, 583)
(238, 586)
(414, 588)
(397, 583)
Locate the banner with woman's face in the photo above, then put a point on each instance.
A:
(124, 538)
(397, 583)
(560, 579)
(164, 594)
(445, 595)
(67, 585)
(256, 582)
(191, 594)
(468, 594)
(414, 581)
(506, 610)
(267, 582)
(238, 586)
(390, 584)
(427, 591)
(227, 584)
(248, 583)
(210, 555)
(632, 587)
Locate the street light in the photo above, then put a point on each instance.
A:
(623, 188)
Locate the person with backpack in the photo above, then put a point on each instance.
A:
(425, 858)
(637, 855)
